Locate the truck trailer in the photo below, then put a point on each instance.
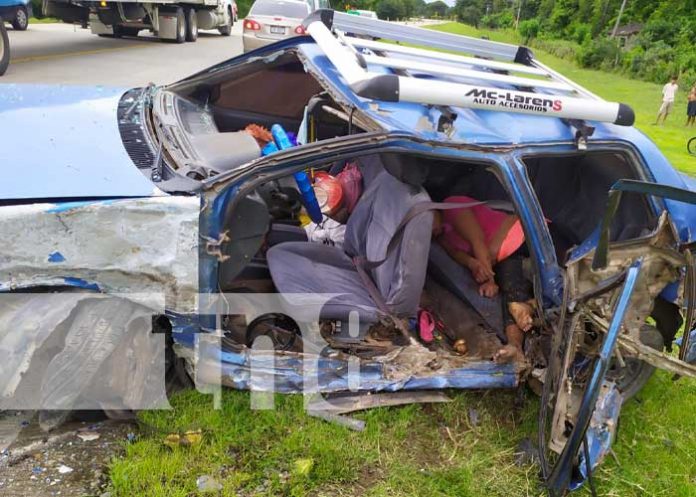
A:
(175, 21)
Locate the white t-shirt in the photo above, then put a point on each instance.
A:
(669, 91)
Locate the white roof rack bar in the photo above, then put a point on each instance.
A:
(444, 41)
(354, 68)
(413, 65)
(556, 75)
(448, 57)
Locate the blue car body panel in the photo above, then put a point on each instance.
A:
(13, 3)
(63, 142)
(8, 7)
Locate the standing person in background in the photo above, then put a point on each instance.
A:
(669, 91)
(691, 107)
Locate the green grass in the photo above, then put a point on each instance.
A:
(419, 450)
(643, 97)
(43, 20)
(424, 450)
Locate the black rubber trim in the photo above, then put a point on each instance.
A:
(324, 15)
(625, 116)
(524, 56)
(383, 87)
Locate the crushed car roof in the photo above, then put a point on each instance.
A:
(473, 126)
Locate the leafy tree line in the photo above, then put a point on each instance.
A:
(396, 9)
(584, 30)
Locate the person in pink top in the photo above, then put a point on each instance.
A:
(488, 243)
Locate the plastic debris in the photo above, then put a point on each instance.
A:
(63, 469)
(207, 483)
(187, 439)
(302, 467)
(473, 416)
(88, 436)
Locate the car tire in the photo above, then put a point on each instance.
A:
(226, 30)
(191, 25)
(180, 26)
(4, 49)
(21, 19)
(632, 377)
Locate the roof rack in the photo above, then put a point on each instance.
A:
(525, 85)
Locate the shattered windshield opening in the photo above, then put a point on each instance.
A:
(220, 120)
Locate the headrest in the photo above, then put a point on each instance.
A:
(406, 168)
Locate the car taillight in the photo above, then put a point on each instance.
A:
(251, 25)
(299, 30)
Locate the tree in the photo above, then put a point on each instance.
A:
(469, 11)
(390, 9)
(437, 9)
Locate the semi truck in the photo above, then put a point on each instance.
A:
(171, 20)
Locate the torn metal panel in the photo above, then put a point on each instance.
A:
(67, 351)
(288, 372)
(601, 432)
(351, 403)
(26, 322)
(145, 246)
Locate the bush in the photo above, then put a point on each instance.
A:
(562, 49)
(581, 33)
(502, 20)
(529, 29)
(603, 53)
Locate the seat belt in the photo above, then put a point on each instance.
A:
(364, 265)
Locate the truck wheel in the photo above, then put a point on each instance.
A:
(21, 19)
(191, 25)
(180, 26)
(226, 30)
(4, 49)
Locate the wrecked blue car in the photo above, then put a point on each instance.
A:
(286, 198)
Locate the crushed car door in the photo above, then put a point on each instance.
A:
(610, 290)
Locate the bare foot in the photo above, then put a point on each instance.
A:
(509, 353)
(523, 314)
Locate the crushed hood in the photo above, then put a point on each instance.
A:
(63, 142)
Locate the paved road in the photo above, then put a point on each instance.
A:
(62, 53)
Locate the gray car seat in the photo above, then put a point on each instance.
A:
(299, 267)
(458, 280)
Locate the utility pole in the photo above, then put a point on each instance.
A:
(519, 11)
(618, 19)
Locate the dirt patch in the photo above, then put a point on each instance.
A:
(69, 461)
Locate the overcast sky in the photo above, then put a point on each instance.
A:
(448, 2)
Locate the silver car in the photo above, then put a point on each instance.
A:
(272, 20)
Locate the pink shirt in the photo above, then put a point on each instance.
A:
(490, 221)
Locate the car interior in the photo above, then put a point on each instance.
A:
(275, 236)
(417, 273)
(215, 108)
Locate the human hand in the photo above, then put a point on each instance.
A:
(481, 271)
(488, 289)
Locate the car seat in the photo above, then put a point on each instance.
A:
(304, 267)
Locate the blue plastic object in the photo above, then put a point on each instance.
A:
(309, 199)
